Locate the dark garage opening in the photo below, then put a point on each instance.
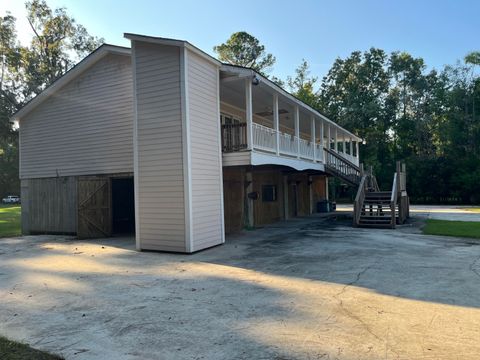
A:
(123, 206)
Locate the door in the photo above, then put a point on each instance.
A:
(293, 200)
(94, 207)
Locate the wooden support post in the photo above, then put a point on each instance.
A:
(310, 193)
(358, 153)
(351, 147)
(326, 188)
(249, 219)
(276, 123)
(249, 112)
(285, 197)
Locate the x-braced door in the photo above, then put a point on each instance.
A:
(94, 207)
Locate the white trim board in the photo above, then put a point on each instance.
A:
(256, 158)
(187, 173)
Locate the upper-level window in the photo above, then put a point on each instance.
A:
(229, 120)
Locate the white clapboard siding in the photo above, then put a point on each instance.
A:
(84, 128)
(159, 173)
(205, 155)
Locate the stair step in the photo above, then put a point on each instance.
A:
(375, 221)
(382, 226)
(376, 201)
(379, 193)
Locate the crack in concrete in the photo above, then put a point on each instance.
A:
(473, 268)
(355, 317)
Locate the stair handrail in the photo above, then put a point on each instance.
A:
(359, 199)
(341, 167)
(393, 200)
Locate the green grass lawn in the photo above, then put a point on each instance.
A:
(9, 220)
(469, 229)
(12, 350)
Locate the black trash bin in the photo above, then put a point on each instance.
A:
(323, 206)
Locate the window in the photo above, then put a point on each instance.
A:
(269, 193)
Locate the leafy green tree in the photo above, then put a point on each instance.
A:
(58, 43)
(9, 66)
(245, 50)
(25, 71)
(303, 85)
(353, 93)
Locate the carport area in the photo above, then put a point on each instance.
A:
(309, 288)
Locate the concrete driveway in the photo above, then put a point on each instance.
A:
(307, 289)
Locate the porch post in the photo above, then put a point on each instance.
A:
(276, 122)
(336, 140)
(329, 142)
(297, 129)
(249, 112)
(322, 128)
(322, 141)
(285, 196)
(313, 138)
(344, 145)
(358, 154)
(351, 147)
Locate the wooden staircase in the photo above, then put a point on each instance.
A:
(372, 208)
(381, 209)
(376, 210)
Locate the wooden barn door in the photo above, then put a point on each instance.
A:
(94, 207)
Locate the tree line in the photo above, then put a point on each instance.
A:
(403, 110)
(430, 119)
(58, 43)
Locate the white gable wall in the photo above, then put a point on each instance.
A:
(86, 127)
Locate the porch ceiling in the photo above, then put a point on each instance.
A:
(232, 91)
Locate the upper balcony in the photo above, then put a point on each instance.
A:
(263, 124)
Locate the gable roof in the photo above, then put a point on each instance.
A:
(70, 75)
(172, 42)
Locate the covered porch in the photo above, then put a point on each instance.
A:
(261, 118)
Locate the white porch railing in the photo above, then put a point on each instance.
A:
(305, 149)
(265, 139)
(288, 144)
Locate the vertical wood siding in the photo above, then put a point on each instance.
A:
(159, 173)
(49, 205)
(205, 167)
(84, 128)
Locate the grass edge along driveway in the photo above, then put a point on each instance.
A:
(13, 350)
(10, 220)
(468, 229)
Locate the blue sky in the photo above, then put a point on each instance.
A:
(439, 31)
